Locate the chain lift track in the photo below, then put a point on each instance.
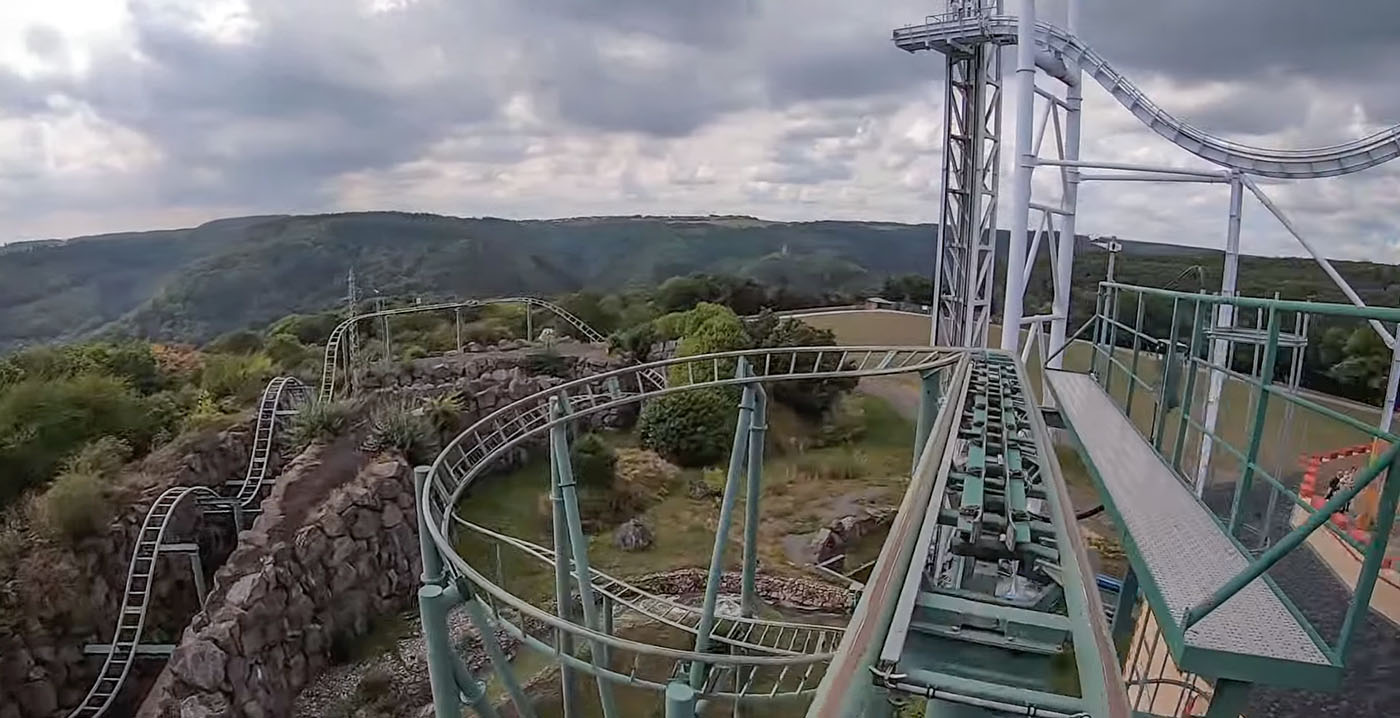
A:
(279, 399)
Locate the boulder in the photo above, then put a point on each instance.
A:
(633, 536)
(200, 664)
(37, 698)
(205, 705)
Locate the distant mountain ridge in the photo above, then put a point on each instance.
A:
(193, 284)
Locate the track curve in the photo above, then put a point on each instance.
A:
(331, 359)
(278, 398)
(1330, 161)
(474, 450)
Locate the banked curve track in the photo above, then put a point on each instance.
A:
(331, 360)
(280, 396)
(1330, 161)
(762, 670)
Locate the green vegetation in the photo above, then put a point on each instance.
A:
(803, 488)
(398, 425)
(320, 421)
(593, 460)
(691, 428)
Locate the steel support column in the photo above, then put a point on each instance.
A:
(563, 597)
(754, 486)
(559, 453)
(1021, 179)
(928, 413)
(726, 517)
(1064, 256)
(476, 612)
(1225, 318)
(680, 700)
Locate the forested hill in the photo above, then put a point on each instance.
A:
(194, 284)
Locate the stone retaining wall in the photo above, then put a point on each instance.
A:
(56, 597)
(271, 629)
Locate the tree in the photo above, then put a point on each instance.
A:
(594, 461)
(908, 288)
(811, 397)
(690, 428)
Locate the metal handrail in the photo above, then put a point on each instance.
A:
(1250, 464)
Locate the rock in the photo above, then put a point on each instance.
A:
(37, 698)
(201, 664)
(239, 592)
(393, 515)
(825, 544)
(205, 705)
(366, 524)
(633, 536)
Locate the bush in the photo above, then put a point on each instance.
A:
(594, 461)
(306, 328)
(444, 412)
(103, 456)
(690, 428)
(75, 505)
(398, 426)
(286, 352)
(413, 351)
(811, 397)
(239, 341)
(43, 422)
(320, 421)
(548, 363)
(634, 343)
(235, 376)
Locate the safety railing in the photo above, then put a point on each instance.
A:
(1159, 380)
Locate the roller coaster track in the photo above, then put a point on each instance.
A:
(769, 667)
(331, 359)
(150, 542)
(749, 634)
(1330, 161)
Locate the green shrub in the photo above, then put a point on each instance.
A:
(235, 376)
(306, 328)
(286, 352)
(594, 461)
(103, 456)
(239, 341)
(690, 428)
(320, 421)
(548, 363)
(810, 397)
(76, 505)
(43, 422)
(634, 343)
(444, 412)
(398, 426)
(414, 351)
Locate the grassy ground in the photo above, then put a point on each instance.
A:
(801, 492)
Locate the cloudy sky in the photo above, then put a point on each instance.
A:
(119, 115)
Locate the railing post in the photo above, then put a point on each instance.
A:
(1188, 395)
(457, 314)
(748, 598)
(726, 515)
(1112, 331)
(1159, 423)
(680, 700)
(1256, 435)
(1099, 313)
(432, 560)
(1375, 553)
(1123, 625)
(1137, 342)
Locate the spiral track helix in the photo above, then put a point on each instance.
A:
(279, 399)
(761, 659)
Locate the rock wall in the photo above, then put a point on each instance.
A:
(270, 629)
(56, 596)
(793, 591)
